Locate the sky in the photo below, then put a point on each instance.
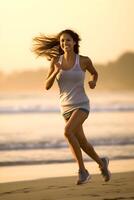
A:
(106, 28)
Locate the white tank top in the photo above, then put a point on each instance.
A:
(71, 86)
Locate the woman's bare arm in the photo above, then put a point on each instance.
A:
(54, 70)
(90, 68)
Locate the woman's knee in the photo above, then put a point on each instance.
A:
(68, 131)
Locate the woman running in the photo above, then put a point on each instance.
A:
(68, 68)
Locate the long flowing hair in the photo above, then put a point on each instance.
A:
(50, 46)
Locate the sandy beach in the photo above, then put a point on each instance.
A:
(120, 187)
(16, 187)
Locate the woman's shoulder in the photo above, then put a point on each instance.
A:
(84, 59)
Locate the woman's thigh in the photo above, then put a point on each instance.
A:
(77, 119)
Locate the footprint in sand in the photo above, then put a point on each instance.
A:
(23, 190)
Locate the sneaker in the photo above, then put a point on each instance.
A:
(104, 171)
(83, 177)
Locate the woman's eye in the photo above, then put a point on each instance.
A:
(67, 40)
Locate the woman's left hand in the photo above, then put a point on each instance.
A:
(92, 84)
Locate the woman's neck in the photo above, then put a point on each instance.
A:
(69, 55)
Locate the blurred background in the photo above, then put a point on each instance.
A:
(31, 127)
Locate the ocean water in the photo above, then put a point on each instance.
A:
(32, 129)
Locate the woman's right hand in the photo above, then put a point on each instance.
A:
(57, 67)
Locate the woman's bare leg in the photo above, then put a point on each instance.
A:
(77, 118)
(76, 138)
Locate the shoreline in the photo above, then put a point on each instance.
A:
(33, 172)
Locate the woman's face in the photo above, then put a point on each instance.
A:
(66, 42)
